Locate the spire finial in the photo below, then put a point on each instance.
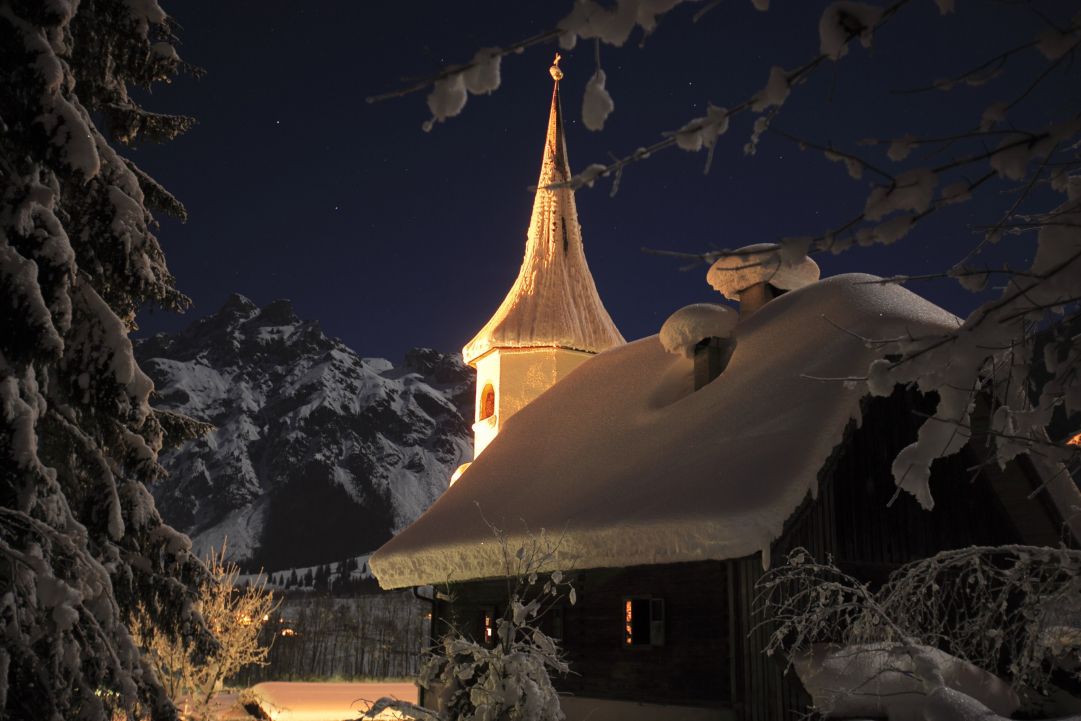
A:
(556, 73)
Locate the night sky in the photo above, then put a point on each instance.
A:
(393, 238)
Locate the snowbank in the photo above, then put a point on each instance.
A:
(629, 466)
(894, 681)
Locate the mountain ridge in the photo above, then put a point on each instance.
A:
(318, 453)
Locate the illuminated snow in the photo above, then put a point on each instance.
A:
(733, 273)
(629, 466)
(322, 701)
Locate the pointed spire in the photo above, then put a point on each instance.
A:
(555, 168)
(554, 302)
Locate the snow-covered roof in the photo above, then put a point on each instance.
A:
(553, 302)
(632, 467)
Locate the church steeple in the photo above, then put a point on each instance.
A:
(554, 302)
(552, 319)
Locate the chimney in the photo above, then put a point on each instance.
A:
(756, 274)
(754, 297)
(711, 357)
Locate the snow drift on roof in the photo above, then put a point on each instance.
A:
(554, 302)
(632, 467)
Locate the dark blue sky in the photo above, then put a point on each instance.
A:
(392, 237)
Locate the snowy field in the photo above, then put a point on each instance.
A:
(297, 701)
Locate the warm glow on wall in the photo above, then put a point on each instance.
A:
(628, 622)
(487, 402)
(1075, 440)
(458, 473)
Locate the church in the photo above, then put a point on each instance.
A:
(674, 468)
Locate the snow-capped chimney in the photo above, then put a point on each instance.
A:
(703, 333)
(756, 274)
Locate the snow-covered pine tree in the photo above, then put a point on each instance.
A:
(80, 539)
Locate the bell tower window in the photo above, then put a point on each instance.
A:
(487, 402)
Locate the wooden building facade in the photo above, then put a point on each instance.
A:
(706, 649)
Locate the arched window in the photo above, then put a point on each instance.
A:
(487, 402)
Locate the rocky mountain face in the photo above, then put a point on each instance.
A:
(318, 454)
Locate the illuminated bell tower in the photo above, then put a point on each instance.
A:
(552, 319)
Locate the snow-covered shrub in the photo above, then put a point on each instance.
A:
(1014, 611)
(509, 680)
(81, 541)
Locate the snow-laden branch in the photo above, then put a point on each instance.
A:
(587, 20)
(1014, 611)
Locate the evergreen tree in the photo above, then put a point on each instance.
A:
(81, 541)
(293, 580)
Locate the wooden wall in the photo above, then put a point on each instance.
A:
(691, 668)
(854, 521)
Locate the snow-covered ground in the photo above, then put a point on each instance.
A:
(283, 701)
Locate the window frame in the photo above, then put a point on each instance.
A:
(486, 407)
(655, 623)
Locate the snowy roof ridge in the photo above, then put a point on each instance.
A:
(554, 301)
(628, 465)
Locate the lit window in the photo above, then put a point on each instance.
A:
(487, 402)
(489, 627)
(643, 622)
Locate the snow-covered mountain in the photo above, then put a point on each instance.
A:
(318, 453)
